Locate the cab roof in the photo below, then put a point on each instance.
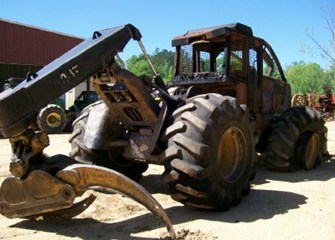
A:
(210, 33)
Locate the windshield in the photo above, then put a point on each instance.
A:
(203, 57)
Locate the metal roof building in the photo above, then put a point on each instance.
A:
(25, 48)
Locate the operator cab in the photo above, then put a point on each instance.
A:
(231, 61)
(211, 54)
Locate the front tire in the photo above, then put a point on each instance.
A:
(111, 158)
(213, 145)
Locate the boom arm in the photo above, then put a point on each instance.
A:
(19, 105)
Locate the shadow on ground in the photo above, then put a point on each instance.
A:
(323, 172)
(260, 204)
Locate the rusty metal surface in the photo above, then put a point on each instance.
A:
(325, 103)
(230, 61)
(41, 193)
(210, 33)
(74, 210)
(128, 96)
(38, 193)
(49, 185)
(25, 147)
(83, 176)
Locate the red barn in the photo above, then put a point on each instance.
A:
(25, 48)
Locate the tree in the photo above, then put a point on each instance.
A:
(162, 61)
(327, 49)
(139, 65)
(307, 78)
(330, 79)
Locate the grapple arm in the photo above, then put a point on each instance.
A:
(83, 176)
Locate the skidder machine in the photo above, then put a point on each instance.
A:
(228, 104)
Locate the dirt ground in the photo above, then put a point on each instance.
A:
(293, 206)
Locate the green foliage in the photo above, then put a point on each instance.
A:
(303, 77)
(330, 79)
(185, 66)
(139, 65)
(275, 72)
(308, 78)
(162, 61)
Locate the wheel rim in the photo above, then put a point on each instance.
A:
(53, 120)
(299, 100)
(311, 150)
(231, 154)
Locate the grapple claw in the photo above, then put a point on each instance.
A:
(37, 194)
(75, 209)
(81, 177)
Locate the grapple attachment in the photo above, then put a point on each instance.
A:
(37, 194)
(84, 176)
(44, 186)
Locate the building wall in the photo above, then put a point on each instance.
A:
(28, 45)
(25, 48)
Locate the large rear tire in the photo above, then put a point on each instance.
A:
(52, 119)
(210, 152)
(297, 139)
(111, 158)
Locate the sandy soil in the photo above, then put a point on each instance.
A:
(281, 206)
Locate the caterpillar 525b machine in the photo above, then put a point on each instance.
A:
(228, 105)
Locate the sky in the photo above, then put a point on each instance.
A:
(282, 23)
